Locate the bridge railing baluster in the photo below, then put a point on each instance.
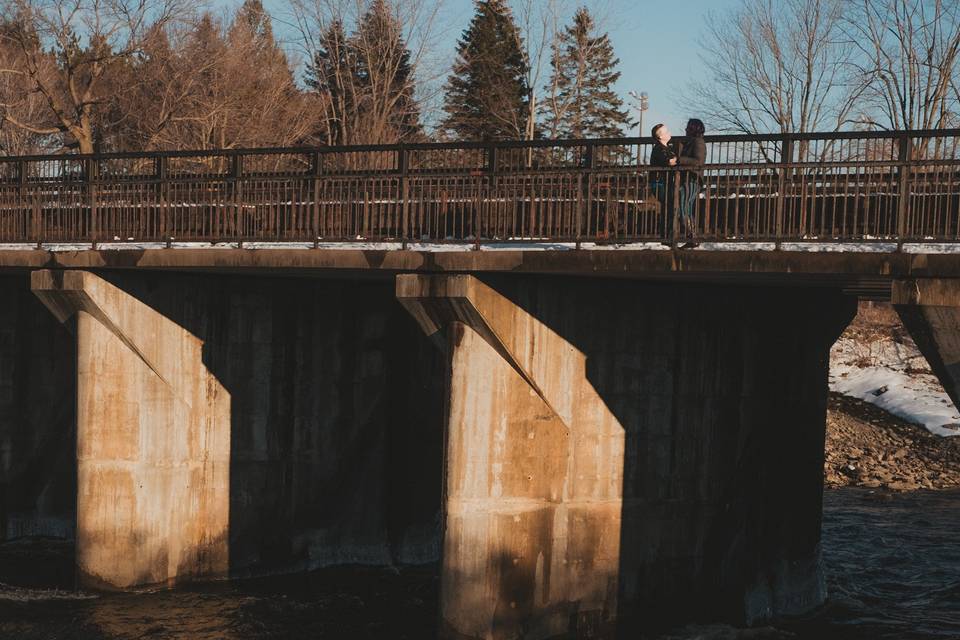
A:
(844, 187)
(903, 171)
(786, 159)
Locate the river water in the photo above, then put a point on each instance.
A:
(893, 572)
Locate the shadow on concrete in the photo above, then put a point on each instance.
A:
(336, 406)
(37, 419)
(337, 416)
(721, 392)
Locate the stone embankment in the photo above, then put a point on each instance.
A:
(868, 447)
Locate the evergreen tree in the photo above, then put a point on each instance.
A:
(580, 100)
(252, 33)
(260, 85)
(366, 80)
(385, 75)
(253, 18)
(206, 42)
(332, 75)
(487, 94)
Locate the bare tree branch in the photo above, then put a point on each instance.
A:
(778, 66)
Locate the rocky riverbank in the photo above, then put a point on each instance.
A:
(877, 374)
(868, 447)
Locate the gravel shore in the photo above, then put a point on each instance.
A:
(868, 447)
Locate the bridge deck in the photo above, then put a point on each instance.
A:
(867, 274)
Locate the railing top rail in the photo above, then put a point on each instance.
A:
(759, 169)
(511, 144)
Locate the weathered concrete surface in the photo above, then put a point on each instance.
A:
(153, 439)
(37, 429)
(869, 272)
(534, 459)
(930, 311)
(337, 418)
(332, 408)
(622, 455)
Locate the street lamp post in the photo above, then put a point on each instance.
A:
(641, 103)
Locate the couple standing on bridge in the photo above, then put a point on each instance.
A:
(691, 153)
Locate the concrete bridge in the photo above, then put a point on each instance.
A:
(588, 440)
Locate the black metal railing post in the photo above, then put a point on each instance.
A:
(403, 168)
(161, 174)
(578, 227)
(30, 227)
(786, 161)
(493, 159)
(236, 192)
(674, 177)
(904, 156)
(316, 176)
(91, 170)
(589, 163)
(492, 169)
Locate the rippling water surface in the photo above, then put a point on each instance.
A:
(893, 565)
(893, 562)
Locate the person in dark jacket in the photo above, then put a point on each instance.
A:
(661, 182)
(693, 155)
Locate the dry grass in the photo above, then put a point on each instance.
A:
(875, 322)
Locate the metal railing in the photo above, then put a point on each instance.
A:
(840, 187)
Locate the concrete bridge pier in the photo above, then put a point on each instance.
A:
(153, 439)
(930, 310)
(623, 455)
(37, 440)
(225, 424)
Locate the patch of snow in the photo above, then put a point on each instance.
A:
(894, 377)
(10, 593)
(736, 246)
(830, 247)
(527, 245)
(628, 246)
(932, 247)
(513, 244)
(121, 246)
(63, 246)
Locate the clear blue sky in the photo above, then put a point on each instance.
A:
(658, 61)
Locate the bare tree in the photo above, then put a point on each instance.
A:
(263, 103)
(22, 105)
(210, 86)
(539, 28)
(87, 39)
(777, 66)
(365, 57)
(151, 94)
(908, 57)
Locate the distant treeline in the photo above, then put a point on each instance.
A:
(115, 75)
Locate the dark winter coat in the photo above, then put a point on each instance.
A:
(661, 154)
(693, 155)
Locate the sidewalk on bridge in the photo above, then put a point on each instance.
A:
(872, 246)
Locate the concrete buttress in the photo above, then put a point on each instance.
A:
(930, 310)
(153, 439)
(624, 454)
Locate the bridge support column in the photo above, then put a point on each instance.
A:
(930, 310)
(153, 439)
(622, 454)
